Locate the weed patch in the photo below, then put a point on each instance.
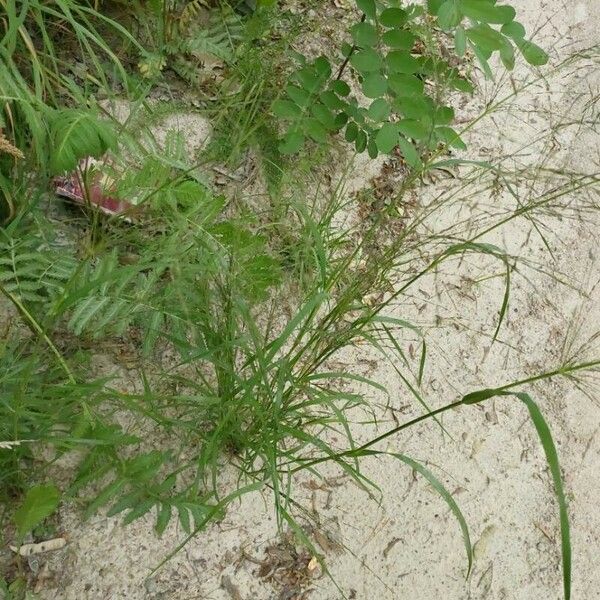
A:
(238, 309)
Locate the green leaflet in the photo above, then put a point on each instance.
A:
(390, 75)
(387, 138)
(364, 34)
(399, 61)
(485, 37)
(449, 14)
(487, 11)
(368, 7)
(399, 38)
(374, 85)
(379, 110)
(39, 502)
(412, 128)
(410, 153)
(366, 61)
(286, 109)
(532, 53)
(393, 17)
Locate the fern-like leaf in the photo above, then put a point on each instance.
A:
(32, 271)
(218, 39)
(77, 134)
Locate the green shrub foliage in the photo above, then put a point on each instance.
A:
(397, 105)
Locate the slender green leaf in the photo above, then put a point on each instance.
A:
(552, 457)
(549, 447)
(330, 375)
(438, 486)
(422, 363)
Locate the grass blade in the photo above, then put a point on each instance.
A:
(545, 436)
(543, 431)
(439, 487)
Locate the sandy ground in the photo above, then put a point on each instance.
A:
(409, 546)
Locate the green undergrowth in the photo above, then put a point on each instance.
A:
(235, 308)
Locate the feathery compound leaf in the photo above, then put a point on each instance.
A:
(77, 134)
(212, 43)
(217, 38)
(32, 271)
